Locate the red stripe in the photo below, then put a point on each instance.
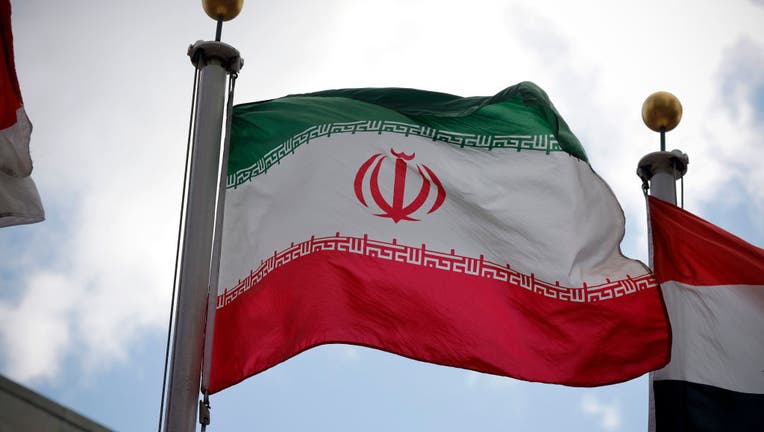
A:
(438, 316)
(10, 96)
(693, 251)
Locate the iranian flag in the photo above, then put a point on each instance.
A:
(468, 232)
(19, 200)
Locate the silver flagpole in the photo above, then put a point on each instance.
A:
(216, 61)
(659, 172)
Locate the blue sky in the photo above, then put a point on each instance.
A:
(84, 296)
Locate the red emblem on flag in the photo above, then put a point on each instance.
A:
(397, 209)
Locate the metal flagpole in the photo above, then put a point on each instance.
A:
(659, 172)
(216, 61)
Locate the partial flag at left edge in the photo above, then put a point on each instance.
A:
(19, 199)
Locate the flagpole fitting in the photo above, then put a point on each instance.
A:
(219, 30)
(673, 162)
(659, 172)
(203, 53)
(204, 412)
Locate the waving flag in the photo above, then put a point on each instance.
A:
(713, 283)
(19, 200)
(468, 232)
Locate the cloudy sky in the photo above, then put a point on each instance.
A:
(84, 296)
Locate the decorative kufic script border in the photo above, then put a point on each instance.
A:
(546, 143)
(439, 260)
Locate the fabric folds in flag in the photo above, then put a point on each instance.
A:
(468, 232)
(19, 200)
(713, 285)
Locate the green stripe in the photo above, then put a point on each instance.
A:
(518, 118)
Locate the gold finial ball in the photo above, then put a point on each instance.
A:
(225, 10)
(661, 111)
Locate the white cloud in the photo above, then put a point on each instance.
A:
(38, 330)
(108, 143)
(608, 414)
(108, 282)
(742, 100)
(724, 141)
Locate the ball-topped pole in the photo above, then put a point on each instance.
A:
(662, 112)
(660, 170)
(222, 10)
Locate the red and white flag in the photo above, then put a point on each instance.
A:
(468, 232)
(19, 200)
(713, 285)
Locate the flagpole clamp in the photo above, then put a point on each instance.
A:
(659, 172)
(203, 53)
(674, 162)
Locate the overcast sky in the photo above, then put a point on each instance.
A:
(84, 296)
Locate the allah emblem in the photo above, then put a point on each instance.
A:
(397, 209)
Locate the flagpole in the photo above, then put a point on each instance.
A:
(215, 61)
(659, 172)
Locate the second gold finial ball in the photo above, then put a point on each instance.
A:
(225, 10)
(661, 111)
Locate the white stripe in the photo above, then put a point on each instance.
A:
(19, 201)
(550, 215)
(718, 336)
(14, 147)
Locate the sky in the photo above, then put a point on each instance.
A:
(85, 295)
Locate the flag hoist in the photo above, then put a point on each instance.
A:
(216, 63)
